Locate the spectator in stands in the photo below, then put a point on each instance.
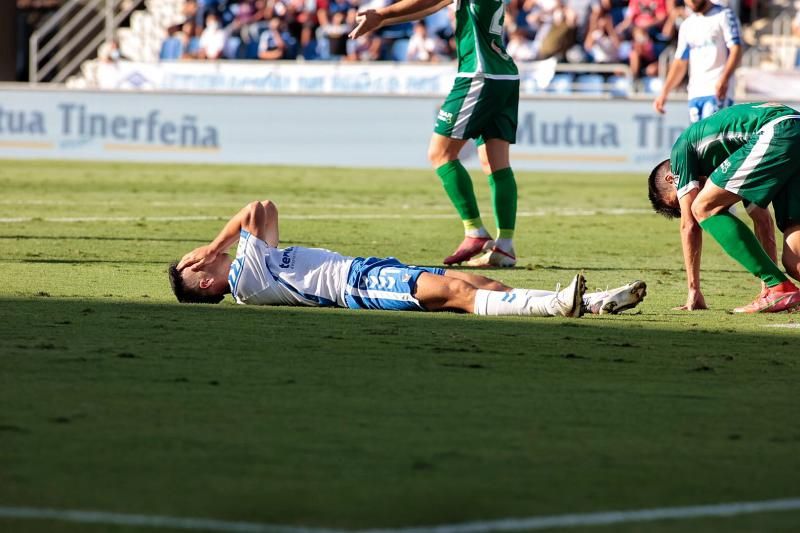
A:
(555, 25)
(272, 45)
(648, 15)
(365, 48)
(709, 47)
(190, 34)
(173, 46)
(643, 22)
(212, 40)
(519, 47)
(421, 46)
(332, 35)
(602, 42)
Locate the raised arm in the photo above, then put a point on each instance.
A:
(403, 11)
(692, 245)
(258, 218)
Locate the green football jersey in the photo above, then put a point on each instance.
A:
(705, 145)
(479, 40)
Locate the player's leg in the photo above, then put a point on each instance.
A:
(791, 251)
(710, 209)
(787, 217)
(497, 134)
(494, 156)
(756, 172)
(448, 293)
(455, 123)
(481, 282)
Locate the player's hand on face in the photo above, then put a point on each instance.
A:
(198, 258)
(694, 302)
(366, 21)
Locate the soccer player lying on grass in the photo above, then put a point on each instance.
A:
(747, 152)
(263, 274)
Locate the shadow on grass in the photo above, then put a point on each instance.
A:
(228, 327)
(322, 416)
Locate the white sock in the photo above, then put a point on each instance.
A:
(479, 233)
(520, 303)
(507, 245)
(589, 299)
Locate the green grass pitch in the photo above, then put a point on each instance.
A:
(114, 397)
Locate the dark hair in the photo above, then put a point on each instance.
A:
(656, 187)
(187, 295)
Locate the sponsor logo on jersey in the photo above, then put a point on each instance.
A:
(725, 166)
(287, 259)
(445, 116)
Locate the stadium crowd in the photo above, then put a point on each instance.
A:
(633, 32)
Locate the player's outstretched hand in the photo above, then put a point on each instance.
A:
(694, 302)
(366, 21)
(198, 258)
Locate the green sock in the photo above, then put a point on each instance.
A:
(740, 243)
(458, 185)
(504, 199)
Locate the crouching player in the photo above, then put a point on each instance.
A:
(263, 274)
(747, 152)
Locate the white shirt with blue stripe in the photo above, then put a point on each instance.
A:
(263, 275)
(704, 41)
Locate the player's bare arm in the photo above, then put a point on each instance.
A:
(764, 228)
(734, 57)
(403, 11)
(257, 218)
(692, 245)
(677, 71)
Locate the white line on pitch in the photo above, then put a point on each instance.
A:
(507, 524)
(567, 212)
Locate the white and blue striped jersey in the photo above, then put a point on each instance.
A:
(263, 275)
(704, 40)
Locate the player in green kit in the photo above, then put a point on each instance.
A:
(482, 105)
(747, 152)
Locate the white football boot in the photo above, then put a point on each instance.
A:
(495, 257)
(614, 301)
(568, 302)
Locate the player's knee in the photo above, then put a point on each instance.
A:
(437, 156)
(700, 209)
(459, 293)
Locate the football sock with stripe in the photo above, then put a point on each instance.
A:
(474, 228)
(498, 303)
(458, 186)
(741, 244)
(504, 201)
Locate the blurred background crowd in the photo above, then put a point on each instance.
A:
(632, 32)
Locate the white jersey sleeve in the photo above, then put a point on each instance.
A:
(731, 30)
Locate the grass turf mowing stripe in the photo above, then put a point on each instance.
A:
(364, 216)
(509, 524)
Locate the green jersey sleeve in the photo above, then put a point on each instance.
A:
(685, 164)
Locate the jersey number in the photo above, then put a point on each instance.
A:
(496, 27)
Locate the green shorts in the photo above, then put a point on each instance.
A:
(767, 170)
(480, 108)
